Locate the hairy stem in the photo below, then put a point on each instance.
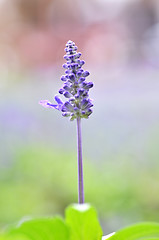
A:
(80, 164)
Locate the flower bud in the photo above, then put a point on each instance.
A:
(86, 74)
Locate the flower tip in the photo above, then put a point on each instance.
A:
(70, 42)
(41, 102)
(44, 103)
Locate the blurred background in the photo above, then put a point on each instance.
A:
(38, 170)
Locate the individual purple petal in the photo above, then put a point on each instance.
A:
(77, 96)
(65, 57)
(47, 104)
(78, 55)
(76, 109)
(85, 104)
(85, 94)
(65, 65)
(82, 62)
(89, 112)
(65, 114)
(63, 78)
(58, 100)
(71, 100)
(68, 71)
(68, 106)
(61, 91)
(72, 77)
(90, 85)
(87, 85)
(50, 105)
(85, 74)
(75, 48)
(64, 109)
(79, 73)
(67, 88)
(80, 92)
(67, 95)
(82, 79)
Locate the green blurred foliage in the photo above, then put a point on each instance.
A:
(43, 181)
(81, 222)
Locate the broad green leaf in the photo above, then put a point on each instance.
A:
(144, 231)
(83, 222)
(40, 229)
(15, 237)
(2, 237)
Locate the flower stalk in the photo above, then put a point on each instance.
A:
(80, 163)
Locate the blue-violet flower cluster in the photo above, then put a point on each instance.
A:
(75, 87)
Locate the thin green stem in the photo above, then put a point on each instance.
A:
(80, 163)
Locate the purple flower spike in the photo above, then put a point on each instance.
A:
(75, 87)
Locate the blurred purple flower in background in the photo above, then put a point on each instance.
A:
(75, 87)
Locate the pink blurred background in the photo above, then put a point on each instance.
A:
(109, 33)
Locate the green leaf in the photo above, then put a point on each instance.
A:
(83, 222)
(15, 237)
(144, 231)
(40, 229)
